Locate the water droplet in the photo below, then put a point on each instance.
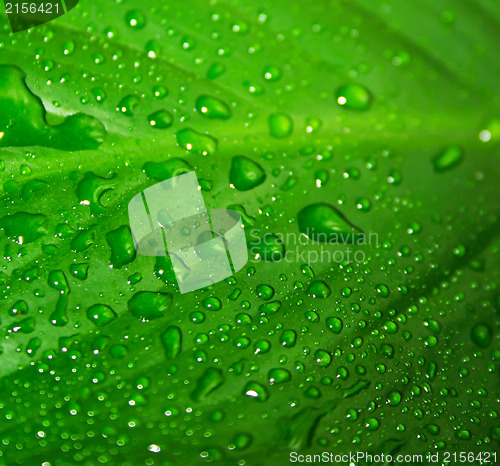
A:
(172, 340)
(214, 304)
(388, 351)
(210, 381)
(69, 47)
(334, 324)
(481, 335)
(269, 248)
(433, 429)
(23, 119)
(210, 107)
(82, 241)
(313, 393)
(288, 338)
(394, 398)
(323, 222)
(270, 308)
(91, 188)
(265, 292)
(322, 358)
(290, 182)
(363, 204)
(394, 177)
(463, 434)
(153, 49)
(382, 290)
(245, 174)
(448, 158)
(261, 347)
(122, 246)
(319, 289)
(414, 228)
(160, 91)
(135, 19)
(118, 351)
(272, 73)
(371, 424)
(240, 27)
(33, 345)
(491, 131)
(390, 327)
(100, 314)
(25, 227)
(149, 305)
(161, 119)
(241, 441)
(79, 271)
(19, 308)
(215, 70)
(278, 376)
(354, 96)
(280, 125)
(196, 142)
(24, 326)
(48, 65)
(128, 104)
(256, 391)
(98, 58)
(197, 317)
(57, 280)
(187, 43)
(165, 170)
(99, 94)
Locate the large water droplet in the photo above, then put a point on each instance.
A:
(149, 305)
(279, 376)
(161, 119)
(245, 174)
(256, 391)
(172, 339)
(100, 314)
(448, 158)
(23, 119)
(319, 289)
(210, 107)
(210, 381)
(135, 19)
(334, 324)
(122, 246)
(165, 170)
(128, 104)
(288, 338)
(280, 125)
(25, 227)
(323, 222)
(196, 142)
(354, 97)
(481, 335)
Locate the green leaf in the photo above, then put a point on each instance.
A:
(373, 120)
